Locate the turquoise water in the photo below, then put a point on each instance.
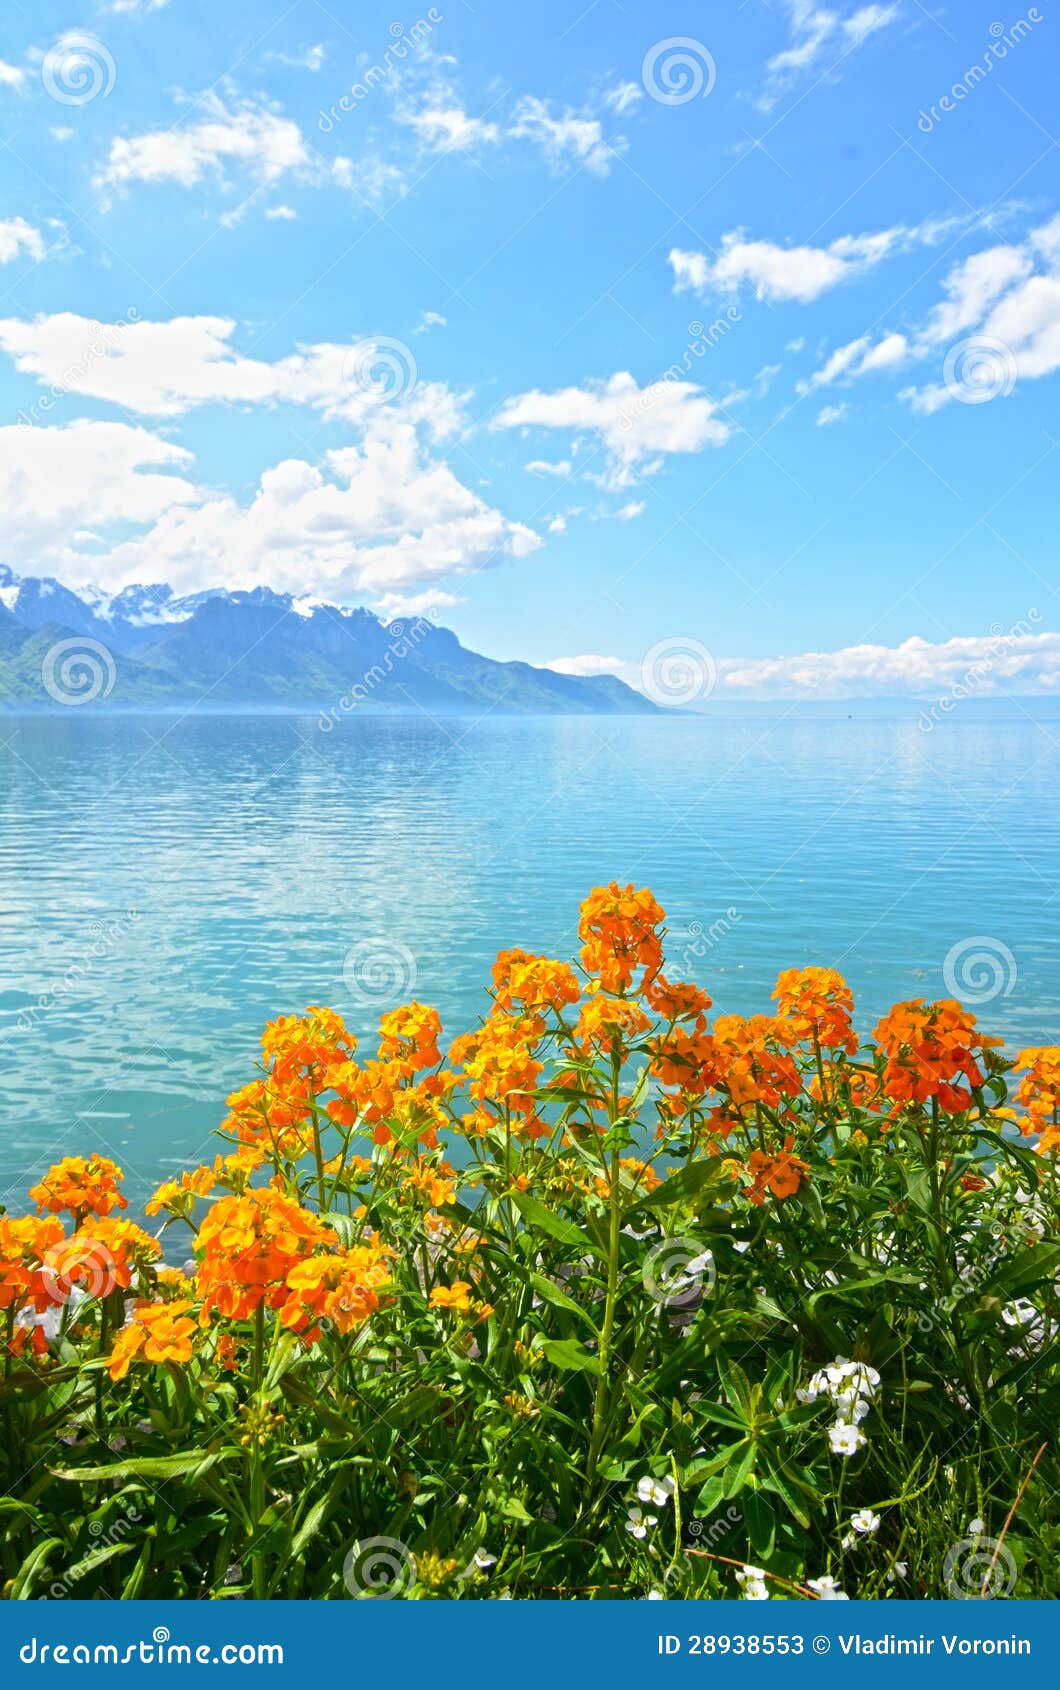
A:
(167, 885)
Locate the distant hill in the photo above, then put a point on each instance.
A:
(145, 647)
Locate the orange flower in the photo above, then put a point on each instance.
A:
(929, 1048)
(100, 1257)
(608, 1024)
(617, 927)
(497, 1061)
(458, 1299)
(84, 1186)
(1039, 1093)
(782, 1173)
(679, 1000)
(533, 983)
(817, 1004)
(410, 1036)
(434, 1185)
(342, 1287)
(248, 1246)
(178, 1196)
(24, 1246)
(156, 1333)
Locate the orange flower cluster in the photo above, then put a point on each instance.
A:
(158, 1332)
(816, 1005)
(82, 1186)
(781, 1173)
(24, 1247)
(342, 1287)
(1039, 1093)
(608, 1024)
(534, 984)
(498, 1064)
(459, 1298)
(618, 929)
(100, 1257)
(930, 1051)
(178, 1195)
(248, 1246)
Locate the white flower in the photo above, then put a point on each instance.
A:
(655, 1596)
(844, 1439)
(976, 1527)
(638, 1522)
(865, 1521)
(656, 1491)
(484, 1560)
(898, 1571)
(752, 1582)
(827, 1589)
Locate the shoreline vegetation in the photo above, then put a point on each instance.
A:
(613, 1297)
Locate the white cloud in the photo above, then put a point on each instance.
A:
(635, 425)
(829, 414)
(984, 664)
(393, 605)
(801, 273)
(819, 39)
(378, 518)
(443, 126)
(430, 320)
(543, 466)
(11, 76)
(282, 214)
(166, 369)
(118, 6)
(251, 135)
(17, 237)
(623, 96)
(85, 476)
(308, 58)
(564, 139)
(558, 525)
(999, 322)
(628, 512)
(859, 358)
(589, 664)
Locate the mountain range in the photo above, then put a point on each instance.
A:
(146, 647)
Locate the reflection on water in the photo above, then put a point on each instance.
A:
(166, 885)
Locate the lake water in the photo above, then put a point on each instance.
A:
(167, 885)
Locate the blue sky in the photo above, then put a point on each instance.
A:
(588, 328)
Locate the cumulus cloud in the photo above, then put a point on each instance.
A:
(56, 483)
(819, 38)
(801, 273)
(829, 414)
(251, 136)
(380, 518)
(18, 237)
(1014, 661)
(998, 323)
(636, 426)
(443, 126)
(588, 664)
(165, 369)
(11, 76)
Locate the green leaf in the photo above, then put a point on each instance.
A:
(195, 1464)
(568, 1354)
(551, 1293)
(760, 1522)
(538, 1215)
(35, 1563)
(684, 1184)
